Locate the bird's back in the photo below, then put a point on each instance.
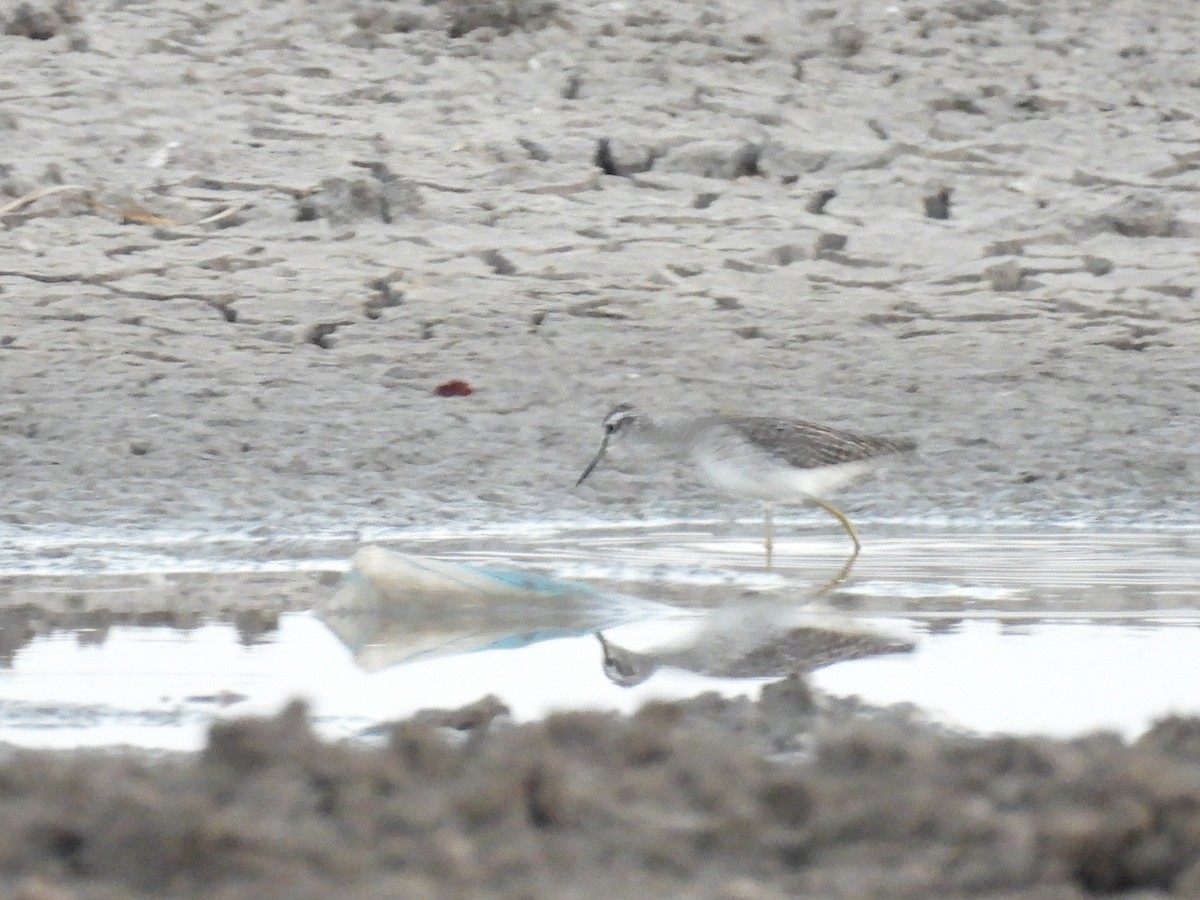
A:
(806, 445)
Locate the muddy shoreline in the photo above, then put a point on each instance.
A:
(968, 223)
(798, 793)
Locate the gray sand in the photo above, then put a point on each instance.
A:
(410, 199)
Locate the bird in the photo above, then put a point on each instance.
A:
(733, 648)
(759, 457)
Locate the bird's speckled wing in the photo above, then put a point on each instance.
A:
(806, 445)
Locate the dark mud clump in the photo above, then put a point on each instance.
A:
(679, 799)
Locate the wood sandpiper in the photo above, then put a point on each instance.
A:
(760, 457)
(795, 650)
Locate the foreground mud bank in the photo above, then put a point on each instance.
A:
(710, 798)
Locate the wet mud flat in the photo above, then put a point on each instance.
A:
(710, 797)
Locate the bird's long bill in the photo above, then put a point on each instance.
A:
(594, 462)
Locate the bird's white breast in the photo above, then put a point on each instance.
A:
(779, 483)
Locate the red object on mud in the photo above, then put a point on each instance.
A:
(455, 388)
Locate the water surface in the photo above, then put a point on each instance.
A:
(1057, 632)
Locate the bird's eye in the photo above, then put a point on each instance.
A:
(610, 427)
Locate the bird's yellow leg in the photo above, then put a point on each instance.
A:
(841, 517)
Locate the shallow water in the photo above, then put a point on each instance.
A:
(1059, 632)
